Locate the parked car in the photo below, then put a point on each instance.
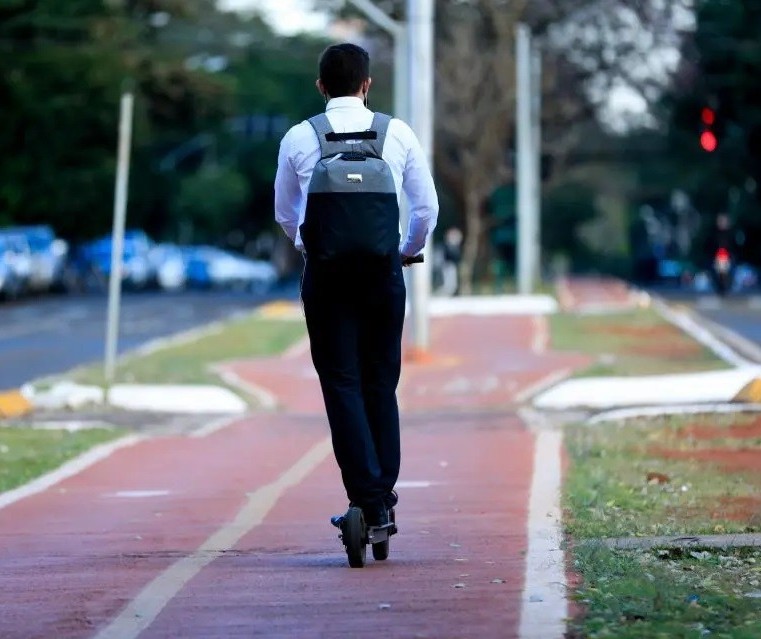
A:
(94, 261)
(16, 255)
(210, 267)
(10, 286)
(168, 266)
(49, 258)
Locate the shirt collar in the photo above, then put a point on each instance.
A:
(345, 102)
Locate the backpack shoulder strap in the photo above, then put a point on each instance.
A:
(380, 125)
(322, 127)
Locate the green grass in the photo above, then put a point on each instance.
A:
(637, 342)
(660, 593)
(26, 453)
(190, 363)
(668, 594)
(608, 494)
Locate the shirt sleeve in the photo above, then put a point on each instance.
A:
(421, 194)
(288, 193)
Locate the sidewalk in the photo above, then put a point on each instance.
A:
(227, 534)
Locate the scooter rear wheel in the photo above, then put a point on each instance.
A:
(355, 537)
(381, 550)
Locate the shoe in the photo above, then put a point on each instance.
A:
(391, 499)
(376, 515)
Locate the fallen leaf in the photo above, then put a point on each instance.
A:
(657, 478)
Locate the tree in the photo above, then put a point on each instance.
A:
(588, 47)
(62, 68)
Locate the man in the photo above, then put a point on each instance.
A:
(352, 289)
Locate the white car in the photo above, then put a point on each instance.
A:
(208, 266)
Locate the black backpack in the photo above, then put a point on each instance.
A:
(352, 207)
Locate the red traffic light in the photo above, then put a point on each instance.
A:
(708, 116)
(708, 141)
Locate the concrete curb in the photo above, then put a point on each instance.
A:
(750, 393)
(14, 404)
(700, 331)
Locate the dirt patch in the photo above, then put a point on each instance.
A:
(733, 461)
(656, 332)
(751, 430)
(662, 341)
(673, 349)
(745, 509)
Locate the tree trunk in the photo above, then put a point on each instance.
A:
(473, 231)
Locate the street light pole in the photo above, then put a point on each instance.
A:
(413, 84)
(525, 161)
(536, 139)
(420, 77)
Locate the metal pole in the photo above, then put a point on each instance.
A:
(536, 117)
(117, 238)
(421, 69)
(401, 98)
(524, 160)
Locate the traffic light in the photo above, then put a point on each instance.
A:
(708, 139)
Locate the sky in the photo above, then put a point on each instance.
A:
(285, 16)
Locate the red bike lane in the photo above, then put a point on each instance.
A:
(228, 535)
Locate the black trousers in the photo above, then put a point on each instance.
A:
(355, 314)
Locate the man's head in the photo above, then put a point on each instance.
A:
(344, 70)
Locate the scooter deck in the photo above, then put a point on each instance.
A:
(375, 534)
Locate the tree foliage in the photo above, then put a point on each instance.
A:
(200, 78)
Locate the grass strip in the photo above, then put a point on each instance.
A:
(666, 476)
(666, 594)
(26, 453)
(637, 342)
(651, 477)
(190, 362)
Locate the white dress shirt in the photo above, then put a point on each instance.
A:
(300, 152)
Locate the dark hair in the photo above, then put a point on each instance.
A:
(343, 69)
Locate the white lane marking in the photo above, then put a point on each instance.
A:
(699, 333)
(413, 484)
(141, 612)
(139, 494)
(69, 469)
(541, 334)
(266, 399)
(543, 384)
(214, 426)
(544, 607)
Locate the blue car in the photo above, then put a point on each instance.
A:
(49, 258)
(16, 260)
(211, 267)
(93, 261)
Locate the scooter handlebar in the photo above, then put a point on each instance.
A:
(414, 259)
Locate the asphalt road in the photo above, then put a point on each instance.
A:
(44, 336)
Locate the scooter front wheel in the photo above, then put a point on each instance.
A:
(355, 537)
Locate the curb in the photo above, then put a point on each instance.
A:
(750, 393)
(14, 404)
